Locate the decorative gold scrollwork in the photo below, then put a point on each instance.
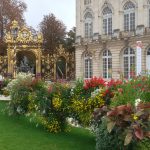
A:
(24, 35)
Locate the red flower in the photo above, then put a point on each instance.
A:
(143, 89)
(139, 85)
(120, 90)
(94, 82)
(35, 81)
(114, 83)
(86, 87)
(49, 89)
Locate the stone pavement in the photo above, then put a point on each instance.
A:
(4, 98)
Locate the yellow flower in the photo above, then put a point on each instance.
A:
(135, 117)
(57, 102)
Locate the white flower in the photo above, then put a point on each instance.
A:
(19, 109)
(43, 112)
(96, 92)
(137, 101)
(72, 91)
(20, 78)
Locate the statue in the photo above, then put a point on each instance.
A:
(25, 61)
(24, 65)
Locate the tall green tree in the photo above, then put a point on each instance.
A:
(70, 40)
(54, 32)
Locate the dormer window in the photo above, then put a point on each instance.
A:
(88, 26)
(107, 20)
(129, 16)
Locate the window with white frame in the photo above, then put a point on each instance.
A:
(149, 16)
(148, 52)
(107, 20)
(86, 2)
(88, 66)
(129, 16)
(129, 63)
(107, 64)
(88, 25)
(148, 61)
(148, 3)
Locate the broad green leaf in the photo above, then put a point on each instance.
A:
(139, 113)
(128, 138)
(110, 126)
(139, 133)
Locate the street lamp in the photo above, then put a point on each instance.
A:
(14, 29)
(14, 33)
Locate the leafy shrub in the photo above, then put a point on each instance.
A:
(136, 88)
(142, 145)
(82, 109)
(108, 141)
(125, 94)
(78, 90)
(3, 85)
(19, 90)
(50, 105)
(133, 124)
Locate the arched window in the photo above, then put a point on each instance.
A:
(107, 64)
(86, 2)
(148, 3)
(148, 52)
(107, 20)
(148, 61)
(88, 66)
(88, 25)
(129, 16)
(61, 68)
(129, 63)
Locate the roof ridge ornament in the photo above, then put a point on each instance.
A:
(14, 24)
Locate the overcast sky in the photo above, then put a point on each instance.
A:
(64, 10)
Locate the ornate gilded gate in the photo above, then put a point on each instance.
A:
(20, 40)
(24, 54)
(49, 65)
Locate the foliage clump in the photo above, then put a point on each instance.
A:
(118, 118)
(19, 90)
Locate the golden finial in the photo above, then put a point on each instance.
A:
(40, 37)
(14, 24)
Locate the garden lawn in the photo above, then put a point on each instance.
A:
(20, 134)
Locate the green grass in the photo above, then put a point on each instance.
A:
(20, 134)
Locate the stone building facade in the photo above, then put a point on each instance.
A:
(108, 35)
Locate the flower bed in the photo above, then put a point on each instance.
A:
(113, 102)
